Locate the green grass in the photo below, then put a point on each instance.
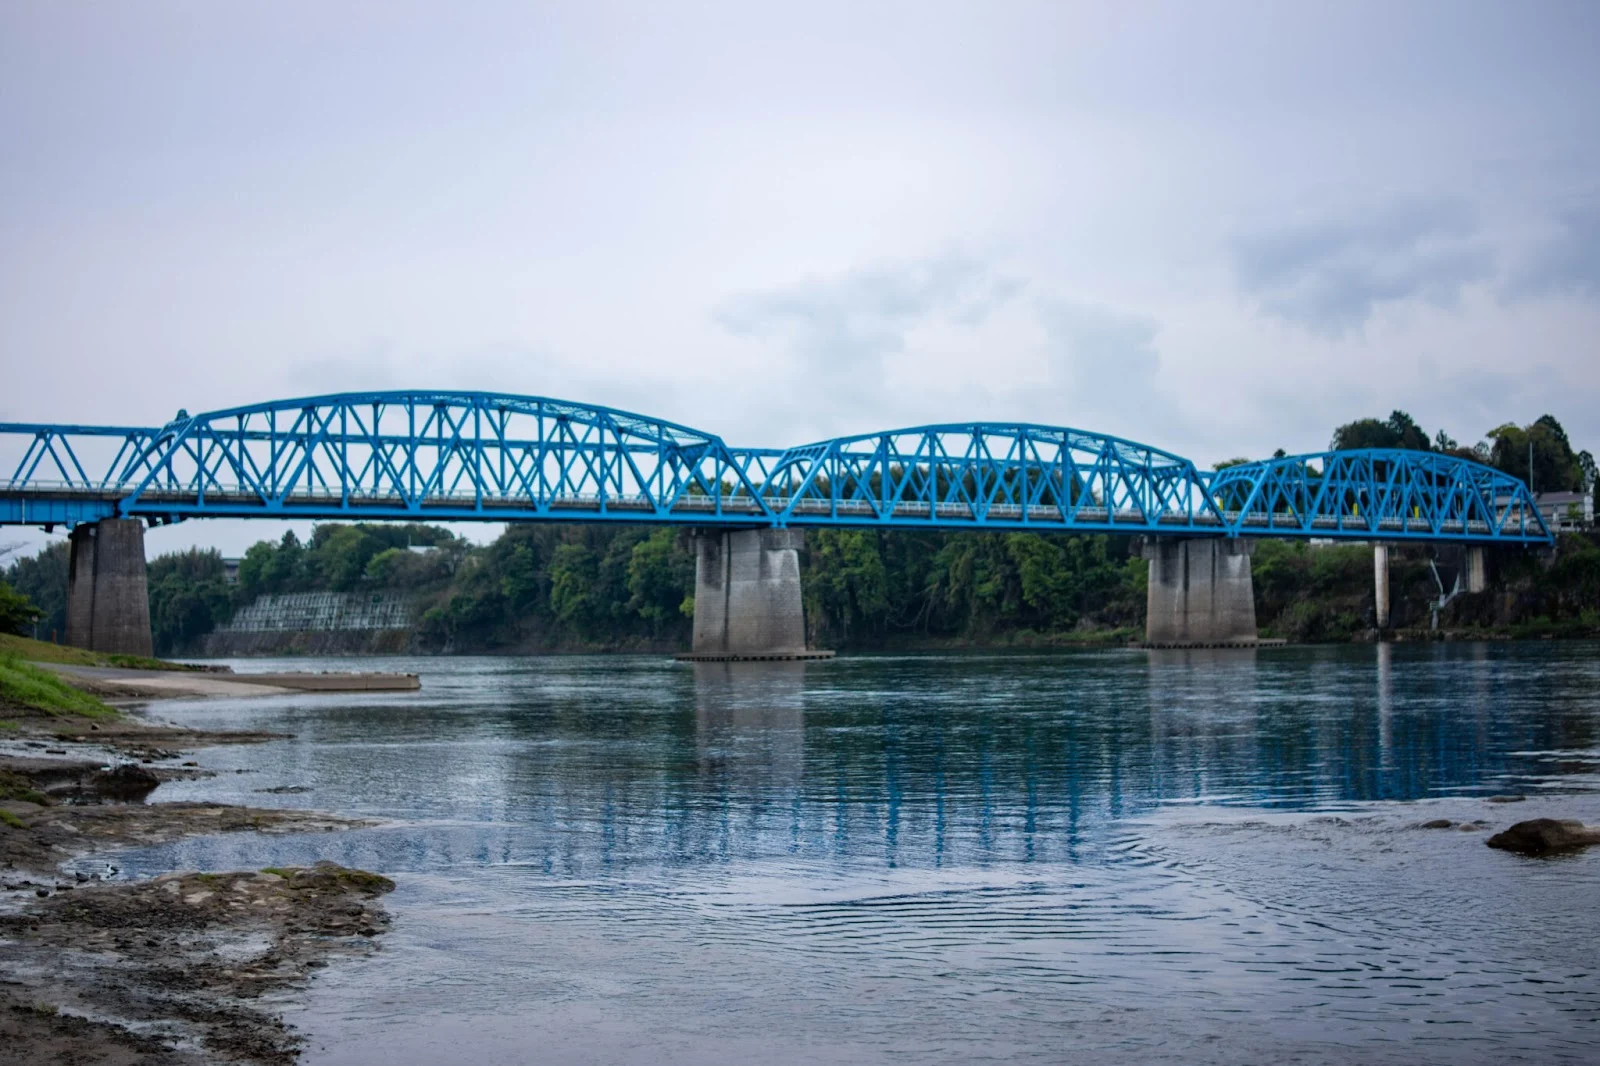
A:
(12, 820)
(25, 685)
(40, 651)
(9, 727)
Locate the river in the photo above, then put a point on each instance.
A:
(1107, 856)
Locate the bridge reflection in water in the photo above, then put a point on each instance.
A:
(579, 766)
(1174, 858)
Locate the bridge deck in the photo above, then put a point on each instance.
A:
(62, 504)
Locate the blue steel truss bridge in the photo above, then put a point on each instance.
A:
(466, 456)
(475, 456)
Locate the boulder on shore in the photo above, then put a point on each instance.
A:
(1545, 836)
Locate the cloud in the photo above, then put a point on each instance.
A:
(1567, 263)
(848, 324)
(1329, 274)
(1094, 345)
(1104, 368)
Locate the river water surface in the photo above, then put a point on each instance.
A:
(1099, 857)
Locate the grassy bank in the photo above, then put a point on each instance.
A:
(29, 689)
(39, 651)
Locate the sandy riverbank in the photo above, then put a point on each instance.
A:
(118, 683)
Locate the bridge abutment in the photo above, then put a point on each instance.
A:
(1200, 592)
(747, 601)
(108, 596)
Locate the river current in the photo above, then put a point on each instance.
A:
(1098, 857)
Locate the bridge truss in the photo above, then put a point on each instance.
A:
(474, 456)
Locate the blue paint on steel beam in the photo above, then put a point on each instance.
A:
(465, 456)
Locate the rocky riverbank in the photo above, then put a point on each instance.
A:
(171, 970)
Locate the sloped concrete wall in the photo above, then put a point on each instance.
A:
(747, 592)
(318, 612)
(1200, 591)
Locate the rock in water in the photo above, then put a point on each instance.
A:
(1545, 836)
(126, 782)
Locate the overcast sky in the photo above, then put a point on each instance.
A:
(1217, 228)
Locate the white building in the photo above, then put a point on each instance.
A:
(1566, 510)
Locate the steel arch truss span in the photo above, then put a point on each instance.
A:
(453, 456)
(433, 455)
(1378, 494)
(988, 476)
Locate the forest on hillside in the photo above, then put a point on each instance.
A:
(583, 586)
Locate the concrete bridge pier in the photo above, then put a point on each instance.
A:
(1477, 569)
(108, 597)
(1380, 583)
(747, 602)
(1200, 593)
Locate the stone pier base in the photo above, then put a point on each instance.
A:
(747, 602)
(1200, 593)
(108, 598)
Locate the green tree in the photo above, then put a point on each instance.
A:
(42, 578)
(523, 581)
(660, 580)
(17, 613)
(975, 586)
(1050, 586)
(846, 583)
(574, 573)
(339, 555)
(268, 568)
(1556, 467)
(189, 597)
(1399, 430)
